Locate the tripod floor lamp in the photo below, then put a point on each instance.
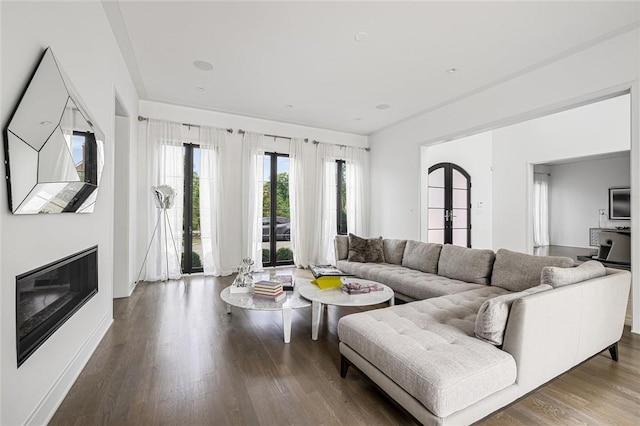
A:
(163, 196)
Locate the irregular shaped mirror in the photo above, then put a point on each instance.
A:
(54, 151)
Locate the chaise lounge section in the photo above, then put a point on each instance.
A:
(426, 354)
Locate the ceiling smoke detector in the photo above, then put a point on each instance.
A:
(361, 36)
(203, 65)
(288, 106)
(383, 106)
(452, 70)
(200, 89)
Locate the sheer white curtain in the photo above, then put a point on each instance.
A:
(165, 166)
(329, 224)
(540, 209)
(357, 160)
(252, 183)
(304, 186)
(211, 197)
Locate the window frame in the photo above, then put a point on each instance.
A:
(341, 230)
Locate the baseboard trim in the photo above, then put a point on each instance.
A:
(49, 404)
(132, 286)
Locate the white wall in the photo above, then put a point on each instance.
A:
(607, 67)
(474, 154)
(594, 129)
(83, 43)
(231, 234)
(577, 190)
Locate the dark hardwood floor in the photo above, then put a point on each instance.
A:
(174, 356)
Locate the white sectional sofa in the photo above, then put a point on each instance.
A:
(425, 354)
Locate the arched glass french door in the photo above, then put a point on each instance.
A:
(449, 205)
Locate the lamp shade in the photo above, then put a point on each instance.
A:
(164, 196)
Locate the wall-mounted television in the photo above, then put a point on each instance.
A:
(619, 203)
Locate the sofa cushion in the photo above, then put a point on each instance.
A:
(558, 277)
(462, 263)
(491, 321)
(407, 282)
(428, 349)
(518, 271)
(394, 250)
(365, 250)
(341, 246)
(421, 256)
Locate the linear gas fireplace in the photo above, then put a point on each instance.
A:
(47, 296)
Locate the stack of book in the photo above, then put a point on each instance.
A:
(355, 287)
(269, 290)
(286, 280)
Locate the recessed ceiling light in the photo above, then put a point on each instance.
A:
(200, 89)
(288, 106)
(383, 106)
(203, 65)
(357, 119)
(46, 123)
(361, 36)
(452, 70)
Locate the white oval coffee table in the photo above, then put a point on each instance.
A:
(335, 296)
(247, 301)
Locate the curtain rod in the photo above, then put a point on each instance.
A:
(242, 132)
(315, 142)
(141, 118)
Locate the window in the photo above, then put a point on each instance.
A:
(449, 205)
(192, 242)
(276, 215)
(341, 196)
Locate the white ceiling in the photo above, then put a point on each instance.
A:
(266, 55)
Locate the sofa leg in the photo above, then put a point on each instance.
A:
(344, 366)
(613, 350)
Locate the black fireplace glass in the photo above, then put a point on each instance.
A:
(47, 296)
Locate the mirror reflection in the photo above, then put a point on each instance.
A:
(55, 152)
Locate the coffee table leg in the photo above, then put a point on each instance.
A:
(286, 324)
(392, 301)
(228, 309)
(316, 310)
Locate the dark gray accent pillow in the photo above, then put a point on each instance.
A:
(421, 256)
(519, 271)
(394, 250)
(365, 250)
(558, 277)
(465, 264)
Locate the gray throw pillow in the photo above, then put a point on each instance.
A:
(365, 250)
(491, 321)
(465, 264)
(558, 277)
(421, 256)
(519, 271)
(394, 250)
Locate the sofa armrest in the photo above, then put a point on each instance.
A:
(341, 247)
(550, 332)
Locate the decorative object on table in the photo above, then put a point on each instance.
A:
(327, 282)
(327, 271)
(164, 196)
(602, 218)
(244, 280)
(269, 290)
(287, 281)
(356, 287)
